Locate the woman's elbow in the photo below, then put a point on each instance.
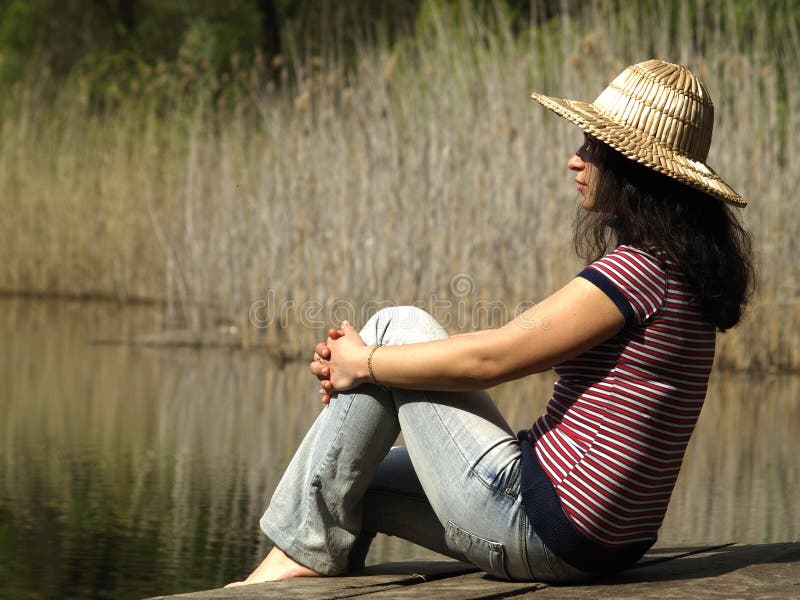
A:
(486, 372)
(485, 365)
(490, 372)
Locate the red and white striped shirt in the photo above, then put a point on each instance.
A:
(615, 431)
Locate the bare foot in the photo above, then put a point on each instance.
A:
(276, 566)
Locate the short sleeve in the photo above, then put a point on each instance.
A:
(634, 280)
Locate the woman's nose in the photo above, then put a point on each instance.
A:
(575, 163)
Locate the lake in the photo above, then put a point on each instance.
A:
(132, 471)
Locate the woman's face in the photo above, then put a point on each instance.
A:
(585, 171)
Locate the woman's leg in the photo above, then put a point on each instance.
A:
(315, 513)
(314, 516)
(463, 452)
(396, 504)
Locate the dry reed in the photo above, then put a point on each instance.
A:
(423, 174)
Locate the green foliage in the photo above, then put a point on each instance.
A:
(116, 47)
(111, 43)
(18, 36)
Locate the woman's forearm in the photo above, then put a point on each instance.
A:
(459, 363)
(574, 319)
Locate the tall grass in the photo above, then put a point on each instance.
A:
(417, 173)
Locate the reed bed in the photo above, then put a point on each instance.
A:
(418, 173)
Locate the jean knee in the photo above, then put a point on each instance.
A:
(404, 325)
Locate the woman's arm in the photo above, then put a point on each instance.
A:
(574, 319)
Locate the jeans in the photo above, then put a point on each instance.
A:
(453, 488)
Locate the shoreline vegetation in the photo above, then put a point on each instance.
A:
(263, 210)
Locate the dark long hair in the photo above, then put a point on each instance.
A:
(638, 206)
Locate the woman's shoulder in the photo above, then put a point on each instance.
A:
(635, 259)
(653, 253)
(639, 275)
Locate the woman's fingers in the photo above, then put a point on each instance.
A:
(324, 397)
(322, 350)
(320, 366)
(323, 373)
(333, 335)
(319, 369)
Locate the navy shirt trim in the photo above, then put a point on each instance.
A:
(612, 291)
(554, 528)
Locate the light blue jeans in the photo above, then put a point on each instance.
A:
(453, 488)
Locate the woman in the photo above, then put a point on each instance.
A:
(584, 491)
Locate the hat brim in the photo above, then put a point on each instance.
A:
(642, 148)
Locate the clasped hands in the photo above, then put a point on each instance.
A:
(340, 362)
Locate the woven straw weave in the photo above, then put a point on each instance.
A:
(658, 114)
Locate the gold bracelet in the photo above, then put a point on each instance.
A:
(372, 378)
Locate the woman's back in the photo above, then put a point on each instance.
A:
(616, 429)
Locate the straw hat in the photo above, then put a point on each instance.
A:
(659, 115)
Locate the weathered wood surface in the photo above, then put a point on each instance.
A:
(730, 571)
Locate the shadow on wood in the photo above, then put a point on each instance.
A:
(763, 571)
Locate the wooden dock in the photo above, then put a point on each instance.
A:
(727, 571)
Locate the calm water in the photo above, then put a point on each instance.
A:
(129, 472)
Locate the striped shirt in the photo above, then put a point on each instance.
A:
(616, 428)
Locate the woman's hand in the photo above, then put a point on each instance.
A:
(348, 360)
(320, 369)
(340, 362)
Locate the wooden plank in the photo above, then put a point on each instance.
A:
(474, 586)
(728, 571)
(372, 579)
(717, 562)
(756, 571)
(479, 586)
(752, 571)
(666, 553)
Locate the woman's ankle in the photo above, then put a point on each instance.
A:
(278, 565)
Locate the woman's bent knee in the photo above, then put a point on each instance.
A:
(404, 325)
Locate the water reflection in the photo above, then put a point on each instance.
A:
(128, 472)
